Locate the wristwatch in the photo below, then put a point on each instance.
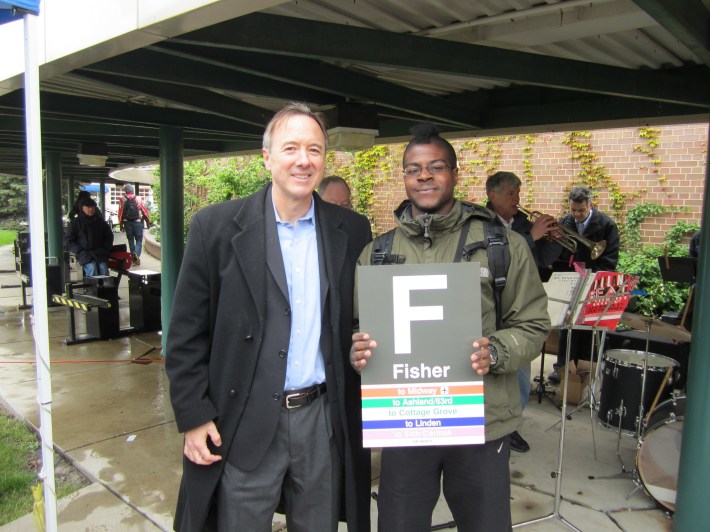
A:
(493, 354)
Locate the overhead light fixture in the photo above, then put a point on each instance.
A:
(351, 138)
(92, 154)
(354, 127)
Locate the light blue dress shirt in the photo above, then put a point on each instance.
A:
(582, 226)
(299, 249)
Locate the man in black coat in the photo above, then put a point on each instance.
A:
(596, 226)
(90, 238)
(257, 351)
(593, 225)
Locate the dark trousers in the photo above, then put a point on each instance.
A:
(302, 469)
(134, 235)
(476, 483)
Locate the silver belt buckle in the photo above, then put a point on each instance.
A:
(294, 396)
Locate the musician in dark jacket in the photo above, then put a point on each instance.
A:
(592, 225)
(596, 226)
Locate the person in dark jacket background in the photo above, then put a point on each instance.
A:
(593, 225)
(90, 238)
(596, 226)
(131, 220)
(503, 191)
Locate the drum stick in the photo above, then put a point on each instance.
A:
(658, 393)
(688, 306)
(665, 255)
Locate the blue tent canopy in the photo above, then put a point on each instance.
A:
(14, 10)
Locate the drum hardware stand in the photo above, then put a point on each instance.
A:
(633, 474)
(621, 412)
(590, 399)
(557, 474)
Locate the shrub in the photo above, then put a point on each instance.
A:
(661, 297)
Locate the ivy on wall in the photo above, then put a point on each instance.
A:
(651, 136)
(361, 175)
(529, 175)
(639, 212)
(479, 154)
(594, 175)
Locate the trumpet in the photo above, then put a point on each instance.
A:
(568, 238)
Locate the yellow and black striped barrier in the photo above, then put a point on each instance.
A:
(85, 303)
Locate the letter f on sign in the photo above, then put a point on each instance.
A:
(405, 314)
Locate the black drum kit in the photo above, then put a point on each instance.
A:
(638, 398)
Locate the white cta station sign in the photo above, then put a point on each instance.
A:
(418, 388)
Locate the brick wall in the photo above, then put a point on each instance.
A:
(672, 173)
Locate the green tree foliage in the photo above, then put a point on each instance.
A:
(210, 181)
(642, 261)
(13, 198)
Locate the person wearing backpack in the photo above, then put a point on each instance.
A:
(434, 227)
(131, 213)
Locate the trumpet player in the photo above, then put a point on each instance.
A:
(503, 191)
(593, 225)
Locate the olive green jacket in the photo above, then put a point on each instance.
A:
(433, 239)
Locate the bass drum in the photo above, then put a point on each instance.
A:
(658, 457)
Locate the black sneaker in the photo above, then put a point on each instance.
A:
(554, 377)
(517, 443)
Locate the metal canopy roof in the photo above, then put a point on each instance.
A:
(466, 65)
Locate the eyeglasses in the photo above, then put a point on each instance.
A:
(433, 169)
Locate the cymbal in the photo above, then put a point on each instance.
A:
(656, 327)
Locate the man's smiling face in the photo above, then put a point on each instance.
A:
(429, 192)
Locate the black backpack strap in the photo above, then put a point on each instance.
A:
(460, 248)
(382, 250)
(498, 262)
(495, 242)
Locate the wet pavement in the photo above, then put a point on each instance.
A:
(112, 418)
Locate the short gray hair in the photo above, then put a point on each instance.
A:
(288, 111)
(580, 195)
(498, 180)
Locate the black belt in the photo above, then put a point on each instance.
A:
(304, 396)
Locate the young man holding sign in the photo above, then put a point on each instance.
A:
(475, 477)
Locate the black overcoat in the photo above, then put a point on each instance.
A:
(600, 227)
(216, 334)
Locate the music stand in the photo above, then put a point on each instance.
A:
(574, 301)
(678, 269)
(681, 270)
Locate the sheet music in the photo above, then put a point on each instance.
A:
(560, 290)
